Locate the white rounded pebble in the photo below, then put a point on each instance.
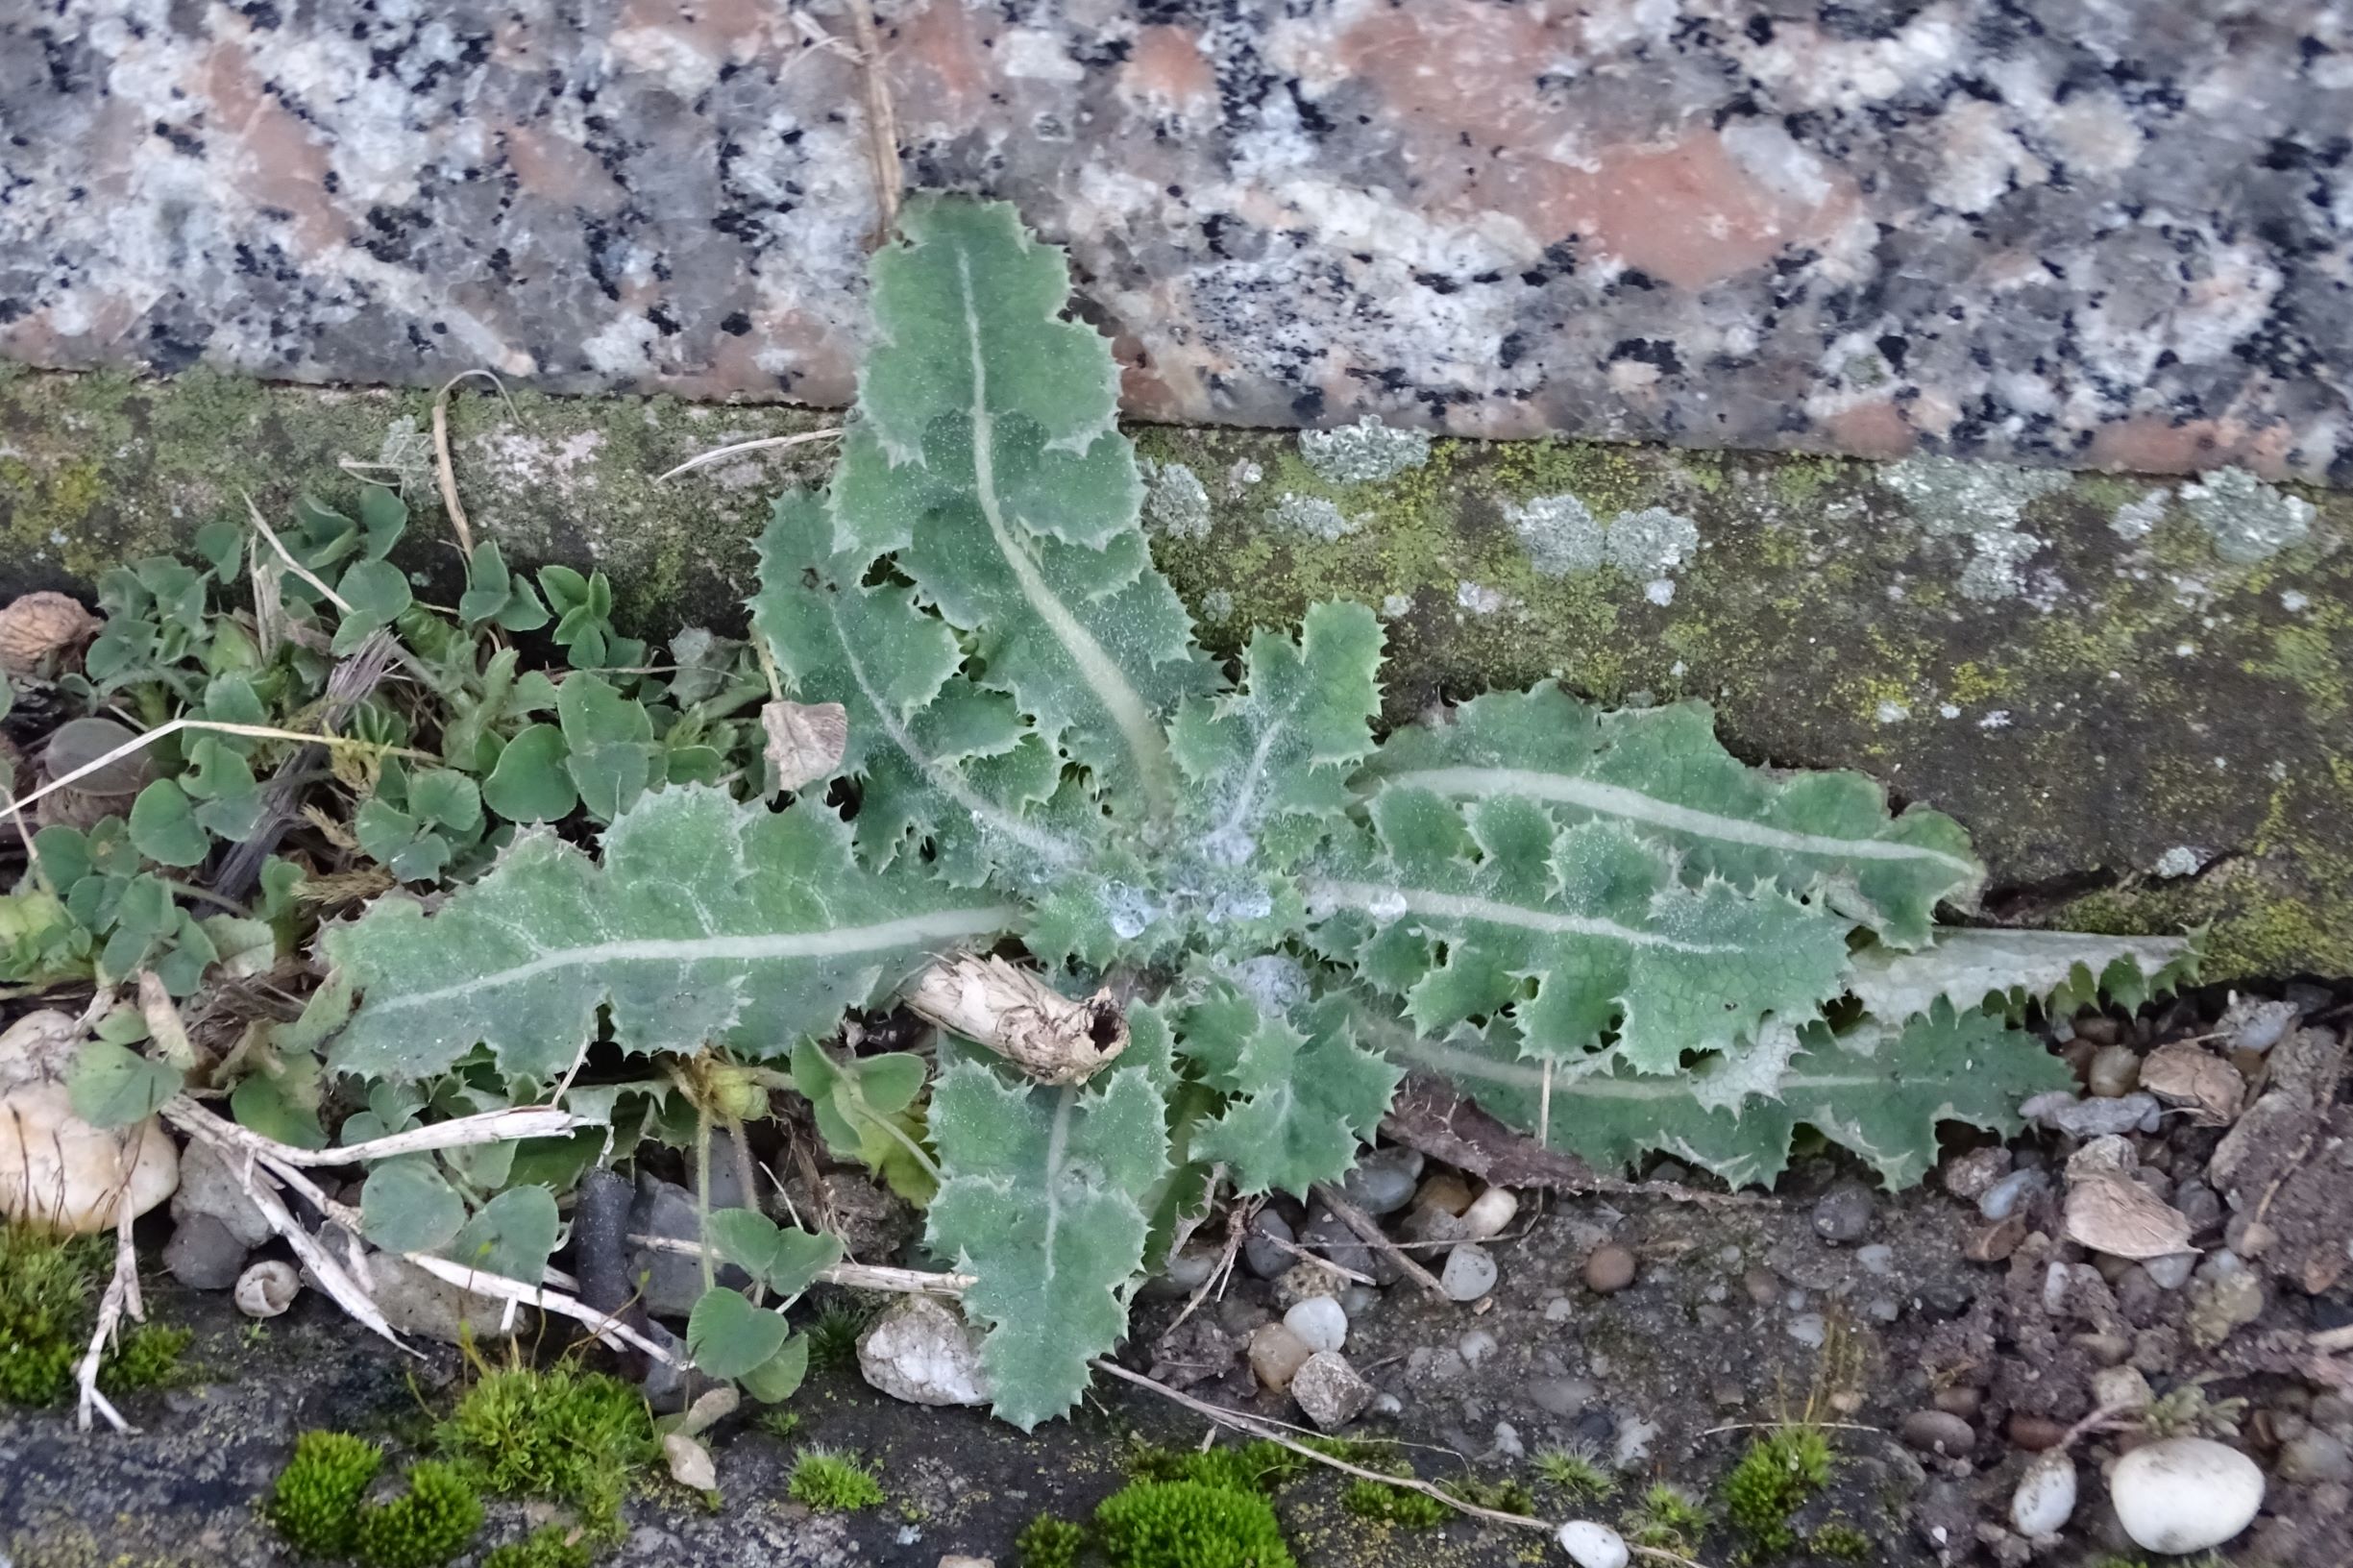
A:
(1320, 1323)
(1469, 1274)
(2170, 1271)
(2045, 1496)
(1490, 1212)
(2184, 1494)
(1593, 1546)
(1876, 1258)
(1475, 1346)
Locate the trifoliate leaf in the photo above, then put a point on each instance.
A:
(936, 756)
(112, 1086)
(163, 826)
(1043, 1201)
(1578, 932)
(783, 1262)
(1306, 1094)
(1880, 1093)
(2069, 970)
(863, 1108)
(511, 1236)
(984, 452)
(609, 741)
(728, 1336)
(406, 1205)
(1661, 773)
(707, 921)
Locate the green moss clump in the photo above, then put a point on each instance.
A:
(550, 1546)
(423, 1527)
(48, 1285)
(1394, 1505)
(1048, 1542)
(1840, 1543)
(833, 1482)
(1507, 1496)
(315, 1504)
(1668, 1520)
(1575, 1473)
(1780, 1470)
(1184, 1524)
(564, 1435)
(1258, 1466)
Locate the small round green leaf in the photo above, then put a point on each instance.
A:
(163, 826)
(511, 1236)
(406, 1207)
(774, 1380)
(529, 784)
(728, 1336)
(786, 1261)
(111, 1086)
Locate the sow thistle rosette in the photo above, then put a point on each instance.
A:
(1599, 924)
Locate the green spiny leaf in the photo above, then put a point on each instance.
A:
(985, 454)
(936, 756)
(1305, 1094)
(1043, 1201)
(1880, 1093)
(1967, 967)
(707, 921)
(1578, 932)
(1660, 772)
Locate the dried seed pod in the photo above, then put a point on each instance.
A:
(35, 628)
(267, 1288)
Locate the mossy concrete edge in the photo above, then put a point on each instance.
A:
(2142, 734)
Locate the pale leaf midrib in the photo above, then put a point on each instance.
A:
(1127, 710)
(1633, 805)
(1454, 906)
(840, 941)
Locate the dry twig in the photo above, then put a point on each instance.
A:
(736, 447)
(1369, 1229)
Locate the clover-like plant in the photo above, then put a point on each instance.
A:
(1601, 924)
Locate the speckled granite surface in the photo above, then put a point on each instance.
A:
(2113, 233)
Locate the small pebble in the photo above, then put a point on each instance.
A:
(1559, 1310)
(1939, 1432)
(1762, 1286)
(1563, 1398)
(1468, 1275)
(1592, 1545)
(2035, 1432)
(1608, 1268)
(1884, 1311)
(1446, 1192)
(2114, 1073)
(1332, 1392)
(1809, 1329)
(1595, 1425)
(1357, 1300)
(2001, 1199)
(1967, 1176)
(2045, 1497)
(1995, 1241)
(1320, 1322)
(1506, 1444)
(1383, 1182)
(2098, 1028)
(1490, 1213)
(1842, 1214)
(1475, 1347)
(1276, 1356)
(1959, 1400)
(1263, 1258)
(1878, 1258)
(2317, 1459)
(2184, 1494)
(2170, 1271)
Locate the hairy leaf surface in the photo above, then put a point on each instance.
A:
(1660, 772)
(707, 920)
(1879, 1092)
(936, 756)
(1044, 1201)
(1967, 967)
(1470, 912)
(1305, 1095)
(985, 455)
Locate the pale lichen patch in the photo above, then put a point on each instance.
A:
(1364, 452)
(1312, 516)
(1176, 503)
(2136, 519)
(2250, 520)
(1982, 502)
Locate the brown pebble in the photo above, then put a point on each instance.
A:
(1608, 1269)
(1762, 1286)
(1992, 1243)
(2098, 1028)
(2112, 1072)
(1962, 1402)
(1446, 1192)
(2035, 1432)
(1939, 1432)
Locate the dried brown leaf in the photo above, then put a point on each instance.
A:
(2184, 1074)
(37, 625)
(806, 740)
(2116, 1215)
